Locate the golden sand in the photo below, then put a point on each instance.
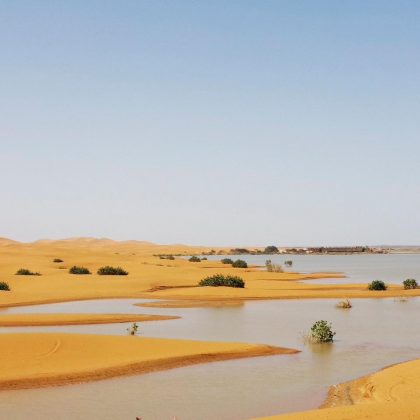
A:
(149, 276)
(44, 359)
(37, 320)
(390, 394)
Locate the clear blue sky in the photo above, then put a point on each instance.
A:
(222, 122)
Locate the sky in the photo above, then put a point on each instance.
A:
(293, 123)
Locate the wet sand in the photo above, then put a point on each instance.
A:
(37, 320)
(392, 393)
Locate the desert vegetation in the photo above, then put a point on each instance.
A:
(57, 260)
(194, 259)
(273, 268)
(271, 249)
(107, 270)
(221, 280)
(377, 285)
(344, 304)
(26, 272)
(226, 261)
(4, 286)
(79, 270)
(321, 332)
(239, 264)
(288, 263)
(410, 284)
(133, 329)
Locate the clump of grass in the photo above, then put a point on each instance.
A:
(273, 268)
(321, 332)
(239, 264)
(288, 263)
(344, 304)
(4, 286)
(166, 257)
(79, 270)
(112, 271)
(133, 328)
(26, 272)
(221, 280)
(410, 284)
(194, 259)
(57, 260)
(377, 285)
(226, 261)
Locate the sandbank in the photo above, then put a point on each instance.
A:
(45, 359)
(36, 320)
(392, 393)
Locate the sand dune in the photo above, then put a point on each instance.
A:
(149, 276)
(36, 360)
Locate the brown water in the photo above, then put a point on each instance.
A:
(373, 334)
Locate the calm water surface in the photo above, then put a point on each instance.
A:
(373, 334)
(392, 268)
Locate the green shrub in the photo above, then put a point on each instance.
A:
(220, 280)
(194, 259)
(26, 272)
(226, 261)
(321, 332)
(240, 264)
(4, 286)
(111, 271)
(271, 250)
(79, 270)
(58, 260)
(204, 259)
(377, 285)
(288, 263)
(410, 284)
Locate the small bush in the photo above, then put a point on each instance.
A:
(273, 268)
(410, 284)
(79, 270)
(194, 259)
(4, 286)
(133, 329)
(204, 259)
(57, 260)
(271, 250)
(288, 263)
(26, 272)
(221, 280)
(112, 271)
(240, 264)
(226, 261)
(377, 285)
(344, 304)
(321, 332)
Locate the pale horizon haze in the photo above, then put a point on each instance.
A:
(295, 123)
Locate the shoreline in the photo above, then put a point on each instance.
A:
(63, 359)
(63, 319)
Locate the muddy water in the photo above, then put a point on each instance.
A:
(373, 334)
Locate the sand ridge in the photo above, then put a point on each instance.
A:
(37, 320)
(46, 359)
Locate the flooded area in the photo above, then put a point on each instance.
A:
(373, 334)
(358, 268)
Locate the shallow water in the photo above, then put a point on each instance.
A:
(392, 268)
(371, 335)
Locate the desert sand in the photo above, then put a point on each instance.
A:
(37, 320)
(392, 393)
(149, 276)
(44, 359)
